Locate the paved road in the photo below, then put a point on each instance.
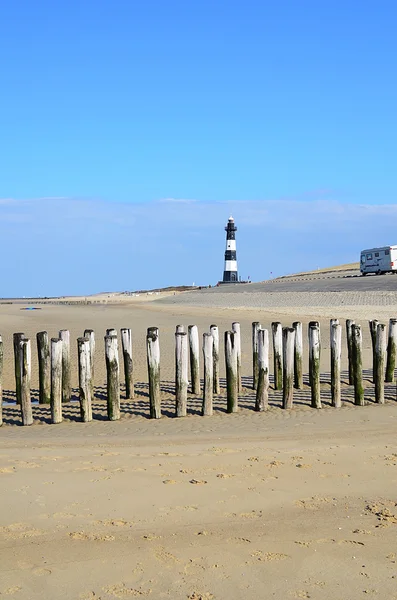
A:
(370, 283)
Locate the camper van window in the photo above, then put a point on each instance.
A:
(387, 252)
(363, 258)
(376, 253)
(369, 256)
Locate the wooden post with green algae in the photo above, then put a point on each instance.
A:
(215, 355)
(44, 358)
(153, 365)
(373, 324)
(85, 383)
(126, 344)
(349, 342)
(113, 377)
(25, 372)
(314, 365)
(64, 335)
(277, 333)
(237, 337)
(391, 350)
(181, 373)
(298, 355)
(231, 372)
(56, 380)
(336, 351)
(194, 352)
(208, 390)
(262, 388)
(288, 366)
(380, 349)
(357, 365)
(255, 366)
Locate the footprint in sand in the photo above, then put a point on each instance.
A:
(269, 556)
(40, 572)
(198, 481)
(91, 537)
(120, 590)
(11, 591)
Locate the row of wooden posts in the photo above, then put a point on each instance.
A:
(55, 367)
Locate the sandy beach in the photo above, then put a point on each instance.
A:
(282, 504)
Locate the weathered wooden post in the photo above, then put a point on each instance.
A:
(357, 365)
(373, 324)
(215, 354)
(277, 332)
(126, 343)
(349, 341)
(44, 356)
(180, 329)
(56, 380)
(231, 372)
(90, 334)
(113, 377)
(314, 364)
(391, 350)
(262, 388)
(237, 337)
(111, 331)
(25, 371)
(64, 335)
(336, 352)
(153, 363)
(181, 374)
(255, 365)
(85, 383)
(379, 375)
(194, 351)
(298, 355)
(1, 379)
(208, 346)
(288, 366)
(17, 337)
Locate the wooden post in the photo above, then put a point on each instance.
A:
(113, 377)
(262, 388)
(391, 350)
(215, 354)
(288, 366)
(126, 343)
(349, 341)
(373, 324)
(277, 332)
(85, 383)
(379, 376)
(181, 374)
(208, 346)
(17, 337)
(25, 371)
(111, 331)
(357, 365)
(298, 355)
(90, 334)
(44, 356)
(314, 364)
(194, 351)
(64, 335)
(255, 364)
(180, 329)
(56, 380)
(237, 337)
(153, 364)
(336, 351)
(231, 371)
(1, 379)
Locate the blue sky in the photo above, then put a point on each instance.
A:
(134, 128)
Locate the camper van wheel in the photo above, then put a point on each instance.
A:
(378, 272)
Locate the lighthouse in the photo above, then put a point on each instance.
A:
(230, 274)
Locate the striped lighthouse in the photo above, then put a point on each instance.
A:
(230, 274)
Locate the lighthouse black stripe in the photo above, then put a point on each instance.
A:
(230, 255)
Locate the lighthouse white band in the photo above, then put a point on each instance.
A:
(230, 265)
(230, 244)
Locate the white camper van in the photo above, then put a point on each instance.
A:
(379, 260)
